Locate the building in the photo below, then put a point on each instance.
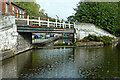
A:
(0, 6)
(10, 7)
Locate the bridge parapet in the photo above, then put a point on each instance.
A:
(44, 22)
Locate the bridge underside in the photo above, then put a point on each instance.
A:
(36, 29)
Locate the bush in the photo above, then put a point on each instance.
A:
(105, 39)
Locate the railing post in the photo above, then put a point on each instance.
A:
(28, 20)
(74, 25)
(69, 24)
(60, 23)
(56, 22)
(63, 24)
(39, 21)
(48, 23)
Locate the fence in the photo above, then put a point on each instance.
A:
(46, 22)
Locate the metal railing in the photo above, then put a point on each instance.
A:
(47, 22)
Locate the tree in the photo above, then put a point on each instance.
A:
(32, 8)
(102, 14)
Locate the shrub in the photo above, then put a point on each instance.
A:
(105, 39)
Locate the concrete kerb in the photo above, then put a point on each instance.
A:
(8, 54)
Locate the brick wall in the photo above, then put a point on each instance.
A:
(10, 6)
(0, 6)
(15, 11)
(3, 6)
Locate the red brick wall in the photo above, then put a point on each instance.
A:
(22, 13)
(15, 11)
(3, 6)
(10, 8)
(0, 6)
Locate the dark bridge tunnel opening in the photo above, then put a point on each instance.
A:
(45, 39)
(24, 41)
(26, 36)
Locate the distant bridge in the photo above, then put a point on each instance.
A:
(43, 25)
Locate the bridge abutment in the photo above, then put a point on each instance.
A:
(24, 42)
(84, 29)
(12, 42)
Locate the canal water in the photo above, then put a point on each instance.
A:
(98, 62)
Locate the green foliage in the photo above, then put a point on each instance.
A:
(102, 14)
(105, 39)
(32, 8)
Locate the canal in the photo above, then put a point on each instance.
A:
(98, 62)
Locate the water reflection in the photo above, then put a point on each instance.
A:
(64, 63)
(12, 67)
(0, 70)
(52, 63)
(88, 60)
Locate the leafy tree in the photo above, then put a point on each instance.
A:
(32, 8)
(102, 14)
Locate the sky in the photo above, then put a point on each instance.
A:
(61, 8)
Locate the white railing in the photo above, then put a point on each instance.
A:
(47, 22)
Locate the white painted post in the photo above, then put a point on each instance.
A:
(39, 21)
(69, 24)
(48, 23)
(60, 23)
(56, 22)
(63, 24)
(74, 25)
(28, 20)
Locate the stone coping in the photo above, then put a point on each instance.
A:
(82, 44)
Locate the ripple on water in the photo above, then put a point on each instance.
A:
(64, 63)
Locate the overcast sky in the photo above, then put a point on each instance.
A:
(61, 8)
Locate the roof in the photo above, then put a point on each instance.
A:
(17, 6)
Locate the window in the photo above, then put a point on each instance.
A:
(12, 9)
(6, 8)
(23, 14)
(0, 6)
(20, 13)
(17, 13)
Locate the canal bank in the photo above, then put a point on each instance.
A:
(88, 44)
(36, 43)
(9, 53)
(93, 40)
(39, 43)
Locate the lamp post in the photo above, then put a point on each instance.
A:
(57, 17)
